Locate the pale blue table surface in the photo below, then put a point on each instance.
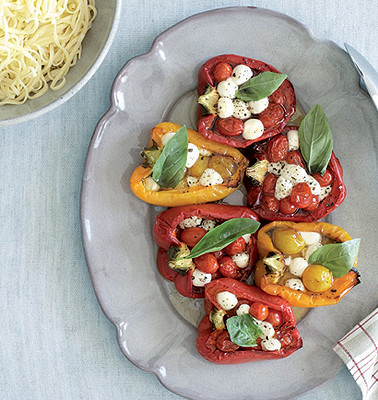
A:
(55, 342)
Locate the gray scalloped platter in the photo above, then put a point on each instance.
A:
(155, 326)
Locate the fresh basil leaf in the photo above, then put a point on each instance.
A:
(315, 140)
(169, 168)
(243, 330)
(337, 257)
(224, 234)
(260, 86)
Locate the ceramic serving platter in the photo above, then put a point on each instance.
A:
(156, 327)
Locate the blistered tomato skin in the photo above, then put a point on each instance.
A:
(269, 184)
(277, 148)
(236, 247)
(287, 207)
(228, 268)
(191, 236)
(270, 203)
(324, 180)
(295, 157)
(272, 115)
(230, 126)
(259, 311)
(207, 263)
(274, 318)
(224, 343)
(314, 203)
(301, 195)
(222, 71)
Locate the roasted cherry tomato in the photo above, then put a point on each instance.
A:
(270, 203)
(295, 157)
(274, 318)
(228, 268)
(223, 342)
(287, 207)
(206, 263)
(317, 278)
(277, 97)
(253, 194)
(269, 184)
(301, 195)
(236, 247)
(229, 126)
(313, 203)
(272, 115)
(259, 311)
(277, 148)
(191, 236)
(324, 180)
(218, 254)
(222, 71)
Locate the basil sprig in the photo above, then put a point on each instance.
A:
(315, 140)
(170, 166)
(224, 234)
(337, 257)
(260, 86)
(243, 330)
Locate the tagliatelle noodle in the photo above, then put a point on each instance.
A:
(40, 40)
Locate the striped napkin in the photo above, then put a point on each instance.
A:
(359, 350)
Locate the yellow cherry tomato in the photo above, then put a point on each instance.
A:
(288, 240)
(317, 278)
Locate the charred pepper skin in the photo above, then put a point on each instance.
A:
(207, 336)
(332, 201)
(284, 97)
(339, 288)
(164, 234)
(194, 194)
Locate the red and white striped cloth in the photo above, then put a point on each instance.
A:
(359, 350)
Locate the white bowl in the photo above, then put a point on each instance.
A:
(95, 47)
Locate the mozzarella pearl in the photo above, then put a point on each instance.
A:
(241, 259)
(193, 154)
(271, 345)
(283, 188)
(297, 266)
(227, 300)
(253, 129)
(167, 137)
(210, 177)
(241, 110)
(324, 192)
(294, 173)
(243, 309)
(227, 88)
(311, 237)
(241, 74)
(296, 284)
(268, 330)
(276, 168)
(151, 185)
(199, 278)
(192, 181)
(191, 222)
(314, 185)
(208, 224)
(258, 106)
(311, 249)
(293, 139)
(225, 107)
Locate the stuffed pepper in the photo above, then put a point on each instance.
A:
(297, 176)
(182, 167)
(242, 100)
(308, 264)
(242, 323)
(198, 244)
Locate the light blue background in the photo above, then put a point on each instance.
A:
(55, 342)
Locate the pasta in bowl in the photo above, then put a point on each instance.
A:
(49, 50)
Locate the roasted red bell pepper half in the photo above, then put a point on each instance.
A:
(309, 197)
(178, 229)
(270, 114)
(279, 338)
